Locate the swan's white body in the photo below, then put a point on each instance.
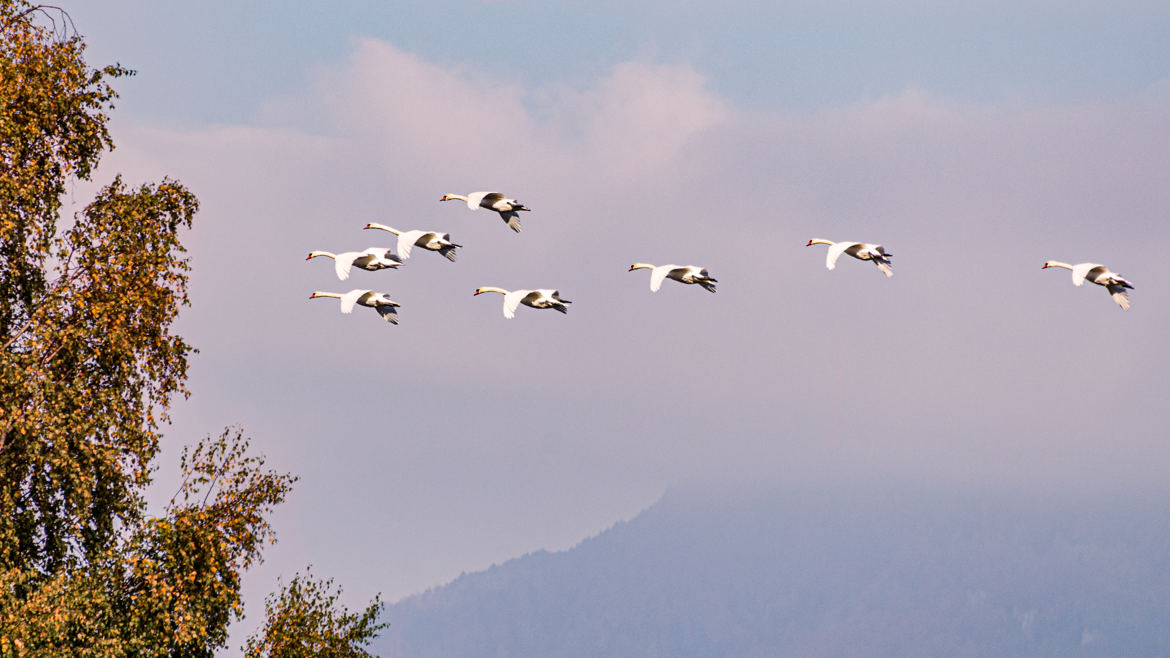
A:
(1096, 273)
(509, 209)
(431, 240)
(372, 259)
(378, 301)
(691, 274)
(859, 250)
(540, 298)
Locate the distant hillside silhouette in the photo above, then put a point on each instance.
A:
(807, 573)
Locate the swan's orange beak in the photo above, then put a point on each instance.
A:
(444, 198)
(809, 243)
(366, 226)
(308, 257)
(1044, 266)
(631, 269)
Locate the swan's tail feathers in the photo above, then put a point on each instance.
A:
(512, 218)
(1120, 295)
(884, 267)
(388, 313)
(708, 284)
(448, 252)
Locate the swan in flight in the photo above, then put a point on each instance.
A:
(680, 273)
(440, 242)
(509, 209)
(542, 298)
(859, 250)
(378, 301)
(1096, 273)
(372, 259)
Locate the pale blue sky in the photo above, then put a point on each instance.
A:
(975, 143)
(215, 61)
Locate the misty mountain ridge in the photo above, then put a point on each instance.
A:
(801, 572)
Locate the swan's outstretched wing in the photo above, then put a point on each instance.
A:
(351, 298)
(884, 267)
(475, 199)
(512, 218)
(448, 251)
(343, 263)
(406, 240)
(1082, 270)
(835, 251)
(388, 313)
(512, 302)
(658, 275)
(380, 253)
(1120, 295)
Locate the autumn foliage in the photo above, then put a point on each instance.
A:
(89, 365)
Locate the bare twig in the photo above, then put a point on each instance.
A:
(66, 30)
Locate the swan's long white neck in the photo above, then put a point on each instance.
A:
(453, 197)
(320, 293)
(383, 227)
(820, 241)
(1056, 263)
(316, 253)
(641, 266)
(491, 289)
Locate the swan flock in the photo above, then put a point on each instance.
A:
(374, 259)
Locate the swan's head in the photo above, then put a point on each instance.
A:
(1046, 265)
(810, 243)
(448, 197)
(370, 225)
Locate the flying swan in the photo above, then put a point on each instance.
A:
(378, 301)
(542, 298)
(508, 208)
(372, 260)
(1099, 274)
(680, 273)
(859, 250)
(440, 242)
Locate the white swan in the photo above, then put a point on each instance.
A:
(378, 301)
(440, 242)
(859, 250)
(372, 260)
(508, 208)
(542, 298)
(1100, 275)
(680, 273)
